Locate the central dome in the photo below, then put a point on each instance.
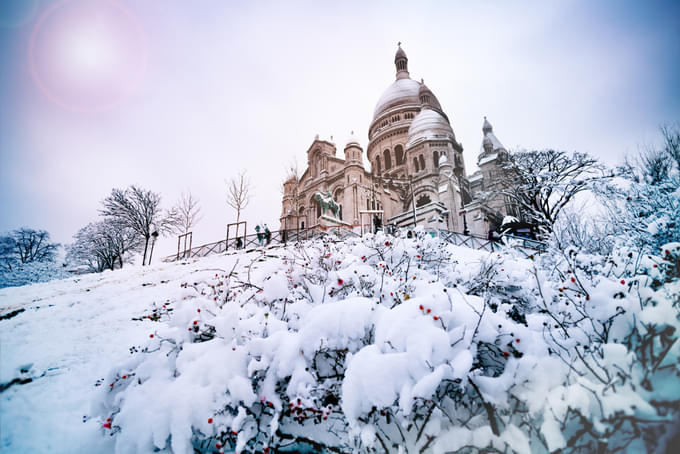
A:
(402, 91)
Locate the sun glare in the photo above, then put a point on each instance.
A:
(87, 55)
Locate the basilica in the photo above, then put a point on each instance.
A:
(417, 173)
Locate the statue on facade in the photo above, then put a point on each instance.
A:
(326, 201)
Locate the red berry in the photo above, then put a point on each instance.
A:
(340, 281)
(421, 307)
(198, 310)
(151, 336)
(587, 297)
(325, 418)
(106, 425)
(435, 318)
(506, 354)
(655, 265)
(428, 311)
(387, 243)
(124, 377)
(517, 340)
(502, 269)
(218, 445)
(209, 420)
(667, 252)
(195, 322)
(573, 279)
(623, 282)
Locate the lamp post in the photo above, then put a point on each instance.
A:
(154, 237)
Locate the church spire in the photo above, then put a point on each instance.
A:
(486, 127)
(401, 62)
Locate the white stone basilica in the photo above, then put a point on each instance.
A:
(415, 160)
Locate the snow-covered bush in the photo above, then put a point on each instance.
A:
(393, 344)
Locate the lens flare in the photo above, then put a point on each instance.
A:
(87, 55)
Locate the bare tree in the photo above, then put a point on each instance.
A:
(185, 214)
(139, 210)
(31, 245)
(102, 245)
(8, 255)
(542, 183)
(238, 193)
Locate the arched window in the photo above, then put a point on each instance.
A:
(415, 164)
(436, 159)
(377, 165)
(399, 154)
(388, 159)
(422, 201)
(422, 162)
(318, 209)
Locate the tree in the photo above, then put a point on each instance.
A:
(139, 210)
(30, 245)
(645, 209)
(7, 253)
(102, 245)
(542, 183)
(185, 214)
(238, 194)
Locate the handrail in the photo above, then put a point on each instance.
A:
(279, 237)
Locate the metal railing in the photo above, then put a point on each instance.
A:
(262, 239)
(525, 245)
(282, 237)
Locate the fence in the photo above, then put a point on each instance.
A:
(279, 237)
(282, 237)
(525, 245)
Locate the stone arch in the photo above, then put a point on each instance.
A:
(423, 200)
(421, 160)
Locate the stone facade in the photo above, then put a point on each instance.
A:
(415, 160)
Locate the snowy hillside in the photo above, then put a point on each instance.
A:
(375, 343)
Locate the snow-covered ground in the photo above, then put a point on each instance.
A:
(67, 337)
(383, 343)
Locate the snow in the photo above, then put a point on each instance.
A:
(401, 91)
(335, 341)
(428, 124)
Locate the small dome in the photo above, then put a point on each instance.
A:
(429, 124)
(427, 98)
(352, 140)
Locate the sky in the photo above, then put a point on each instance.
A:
(181, 96)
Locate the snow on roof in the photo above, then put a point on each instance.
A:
(475, 176)
(402, 91)
(429, 124)
(488, 158)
